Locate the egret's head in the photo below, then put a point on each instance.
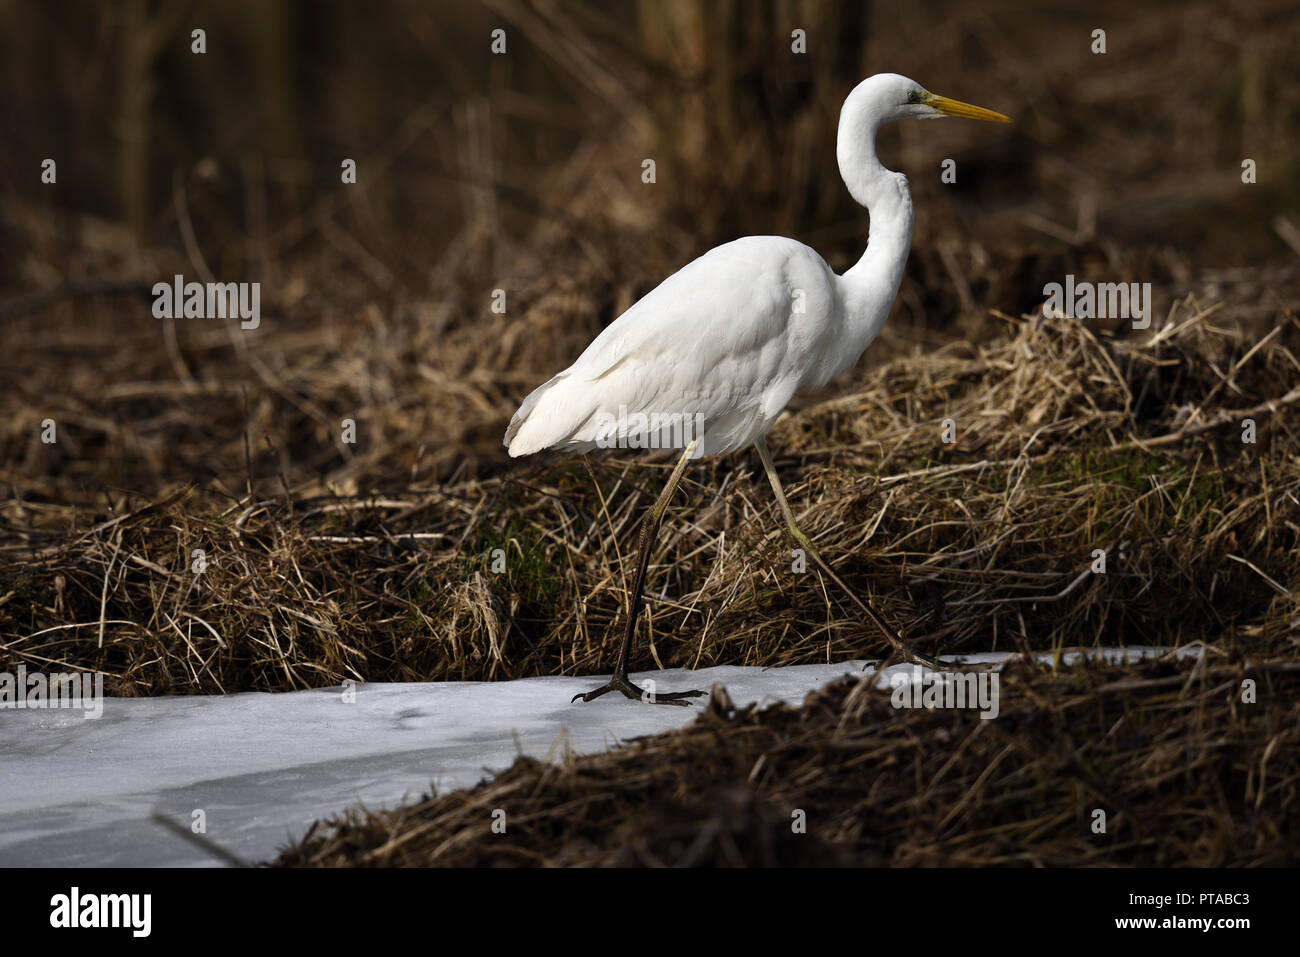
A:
(895, 97)
(878, 100)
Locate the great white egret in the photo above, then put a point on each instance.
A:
(727, 340)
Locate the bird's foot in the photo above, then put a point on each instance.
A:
(629, 690)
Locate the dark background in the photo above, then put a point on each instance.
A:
(523, 172)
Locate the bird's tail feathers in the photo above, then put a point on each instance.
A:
(550, 416)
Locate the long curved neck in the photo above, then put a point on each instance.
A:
(871, 285)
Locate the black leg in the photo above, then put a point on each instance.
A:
(649, 531)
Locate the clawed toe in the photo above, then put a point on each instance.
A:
(629, 690)
(675, 695)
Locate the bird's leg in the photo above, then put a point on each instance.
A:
(806, 544)
(649, 530)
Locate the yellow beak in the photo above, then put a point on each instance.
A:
(957, 108)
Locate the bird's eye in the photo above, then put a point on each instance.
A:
(915, 96)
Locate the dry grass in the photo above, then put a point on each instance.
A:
(329, 560)
(1185, 772)
(1069, 440)
(373, 561)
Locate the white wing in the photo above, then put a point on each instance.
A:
(730, 336)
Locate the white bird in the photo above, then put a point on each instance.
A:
(729, 338)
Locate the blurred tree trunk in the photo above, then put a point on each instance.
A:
(743, 111)
(676, 34)
(142, 31)
(134, 92)
(270, 31)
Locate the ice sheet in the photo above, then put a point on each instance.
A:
(262, 767)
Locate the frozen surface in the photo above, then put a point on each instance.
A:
(264, 766)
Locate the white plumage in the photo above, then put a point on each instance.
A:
(717, 338)
(734, 334)
(726, 340)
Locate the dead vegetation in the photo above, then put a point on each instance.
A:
(195, 444)
(1068, 441)
(326, 560)
(1184, 771)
